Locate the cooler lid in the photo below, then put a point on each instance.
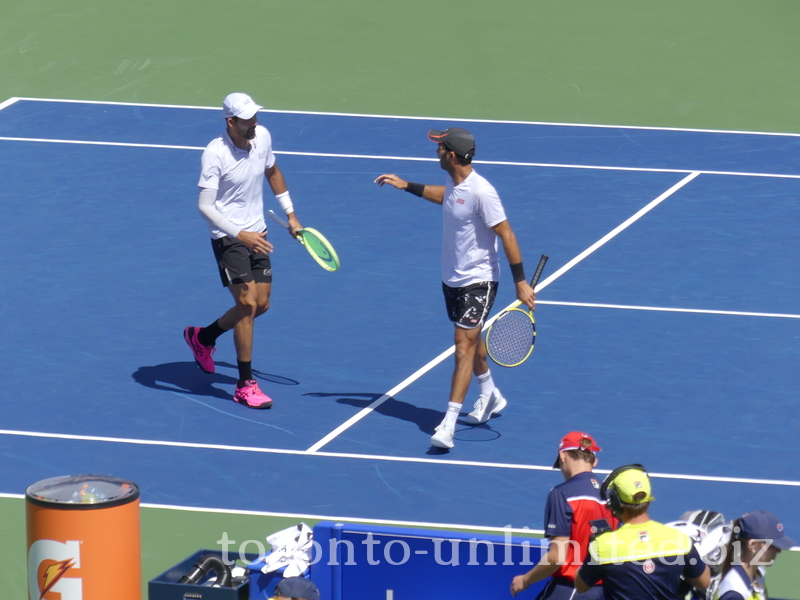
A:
(82, 492)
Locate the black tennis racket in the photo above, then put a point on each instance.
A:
(510, 339)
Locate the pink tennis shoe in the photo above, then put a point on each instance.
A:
(251, 395)
(203, 355)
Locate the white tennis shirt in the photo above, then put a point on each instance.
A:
(238, 177)
(469, 244)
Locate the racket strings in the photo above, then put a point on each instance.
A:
(511, 337)
(321, 249)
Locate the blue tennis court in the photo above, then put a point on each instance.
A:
(667, 318)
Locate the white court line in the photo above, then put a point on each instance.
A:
(436, 361)
(354, 520)
(413, 118)
(702, 311)
(415, 158)
(226, 511)
(373, 457)
(93, 143)
(8, 103)
(349, 519)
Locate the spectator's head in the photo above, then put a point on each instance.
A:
(757, 538)
(627, 491)
(576, 452)
(296, 588)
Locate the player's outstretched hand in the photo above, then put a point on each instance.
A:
(392, 180)
(257, 242)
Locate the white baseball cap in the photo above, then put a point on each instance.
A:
(239, 105)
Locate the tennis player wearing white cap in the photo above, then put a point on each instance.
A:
(231, 202)
(473, 219)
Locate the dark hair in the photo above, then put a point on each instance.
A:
(731, 549)
(636, 509)
(463, 161)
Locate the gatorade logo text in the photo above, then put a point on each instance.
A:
(51, 568)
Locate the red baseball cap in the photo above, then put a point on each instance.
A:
(576, 440)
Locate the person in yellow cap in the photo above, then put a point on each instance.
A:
(643, 559)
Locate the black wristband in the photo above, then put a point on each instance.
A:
(415, 188)
(517, 272)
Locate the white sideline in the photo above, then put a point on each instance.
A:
(373, 457)
(225, 511)
(701, 311)
(414, 118)
(412, 158)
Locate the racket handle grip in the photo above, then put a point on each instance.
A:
(277, 219)
(539, 270)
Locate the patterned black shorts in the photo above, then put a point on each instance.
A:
(469, 306)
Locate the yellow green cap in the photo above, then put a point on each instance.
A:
(631, 482)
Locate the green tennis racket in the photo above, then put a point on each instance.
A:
(317, 245)
(510, 339)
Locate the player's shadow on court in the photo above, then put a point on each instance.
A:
(425, 418)
(187, 378)
(184, 377)
(278, 379)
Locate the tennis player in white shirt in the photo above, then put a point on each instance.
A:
(231, 201)
(473, 219)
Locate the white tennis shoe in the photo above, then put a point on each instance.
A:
(443, 437)
(485, 407)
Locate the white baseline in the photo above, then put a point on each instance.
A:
(413, 158)
(373, 457)
(408, 117)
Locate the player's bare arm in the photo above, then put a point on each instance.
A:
(431, 193)
(555, 556)
(525, 293)
(278, 186)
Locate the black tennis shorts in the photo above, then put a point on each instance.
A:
(238, 264)
(469, 306)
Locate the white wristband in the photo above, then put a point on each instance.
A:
(285, 202)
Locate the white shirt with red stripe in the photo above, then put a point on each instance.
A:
(469, 244)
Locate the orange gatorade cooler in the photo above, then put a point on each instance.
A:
(83, 539)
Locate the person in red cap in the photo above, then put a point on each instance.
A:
(572, 509)
(473, 219)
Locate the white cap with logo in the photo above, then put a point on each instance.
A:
(239, 105)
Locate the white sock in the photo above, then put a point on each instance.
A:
(453, 409)
(487, 383)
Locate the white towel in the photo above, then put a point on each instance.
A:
(291, 548)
